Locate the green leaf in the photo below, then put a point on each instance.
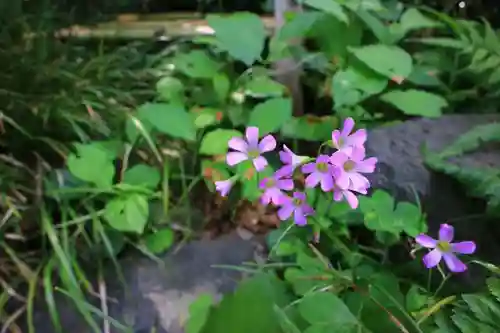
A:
(310, 128)
(127, 213)
(353, 85)
(142, 175)
(416, 298)
(390, 61)
(171, 119)
(263, 86)
(93, 164)
(250, 309)
(170, 89)
(271, 115)
(413, 19)
(378, 210)
(329, 6)
(327, 311)
(198, 313)
(196, 64)
(214, 171)
(440, 41)
(204, 117)
(215, 142)
(242, 35)
(221, 86)
(410, 219)
(160, 241)
(416, 102)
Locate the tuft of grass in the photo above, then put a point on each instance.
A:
(53, 93)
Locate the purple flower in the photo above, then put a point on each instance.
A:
(445, 249)
(320, 172)
(343, 139)
(287, 156)
(352, 163)
(296, 206)
(250, 149)
(224, 186)
(273, 187)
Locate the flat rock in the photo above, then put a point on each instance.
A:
(402, 172)
(158, 294)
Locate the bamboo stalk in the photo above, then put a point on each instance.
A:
(133, 27)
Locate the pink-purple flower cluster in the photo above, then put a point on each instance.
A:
(340, 173)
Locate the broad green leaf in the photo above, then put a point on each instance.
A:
(215, 142)
(127, 213)
(214, 171)
(242, 35)
(196, 64)
(371, 5)
(299, 25)
(390, 61)
(170, 89)
(326, 310)
(410, 219)
(413, 19)
(424, 76)
(204, 117)
(171, 119)
(416, 298)
(333, 48)
(329, 6)
(378, 212)
(416, 102)
(353, 85)
(198, 313)
(142, 175)
(221, 86)
(375, 24)
(271, 115)
(93, 164)
(310, 128)
(263, 86)
(159, 241)
(250, 309)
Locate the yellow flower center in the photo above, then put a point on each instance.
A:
(444, 246)
(349, 165)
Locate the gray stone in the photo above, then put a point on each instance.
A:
(402, 172)
(158, 294)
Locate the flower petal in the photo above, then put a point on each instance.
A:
(267, 143)
(234, 158)
(357, 138)
(426, 241)
(366, 166)
(327, 182)
(351, 198)
(309, 167)
(286, 155)
(265, 198)
(313, 179)
(299, 217)
(299, 195)
(432, 258)
(252, 135)
(467, 247)
(454, 264)
(259, 163)
(446, 233)
(336, 139)
(340, 157)
(285, 211)
(285, 184)
(238, 144)
(348, 126)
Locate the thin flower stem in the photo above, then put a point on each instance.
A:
(441, 285)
